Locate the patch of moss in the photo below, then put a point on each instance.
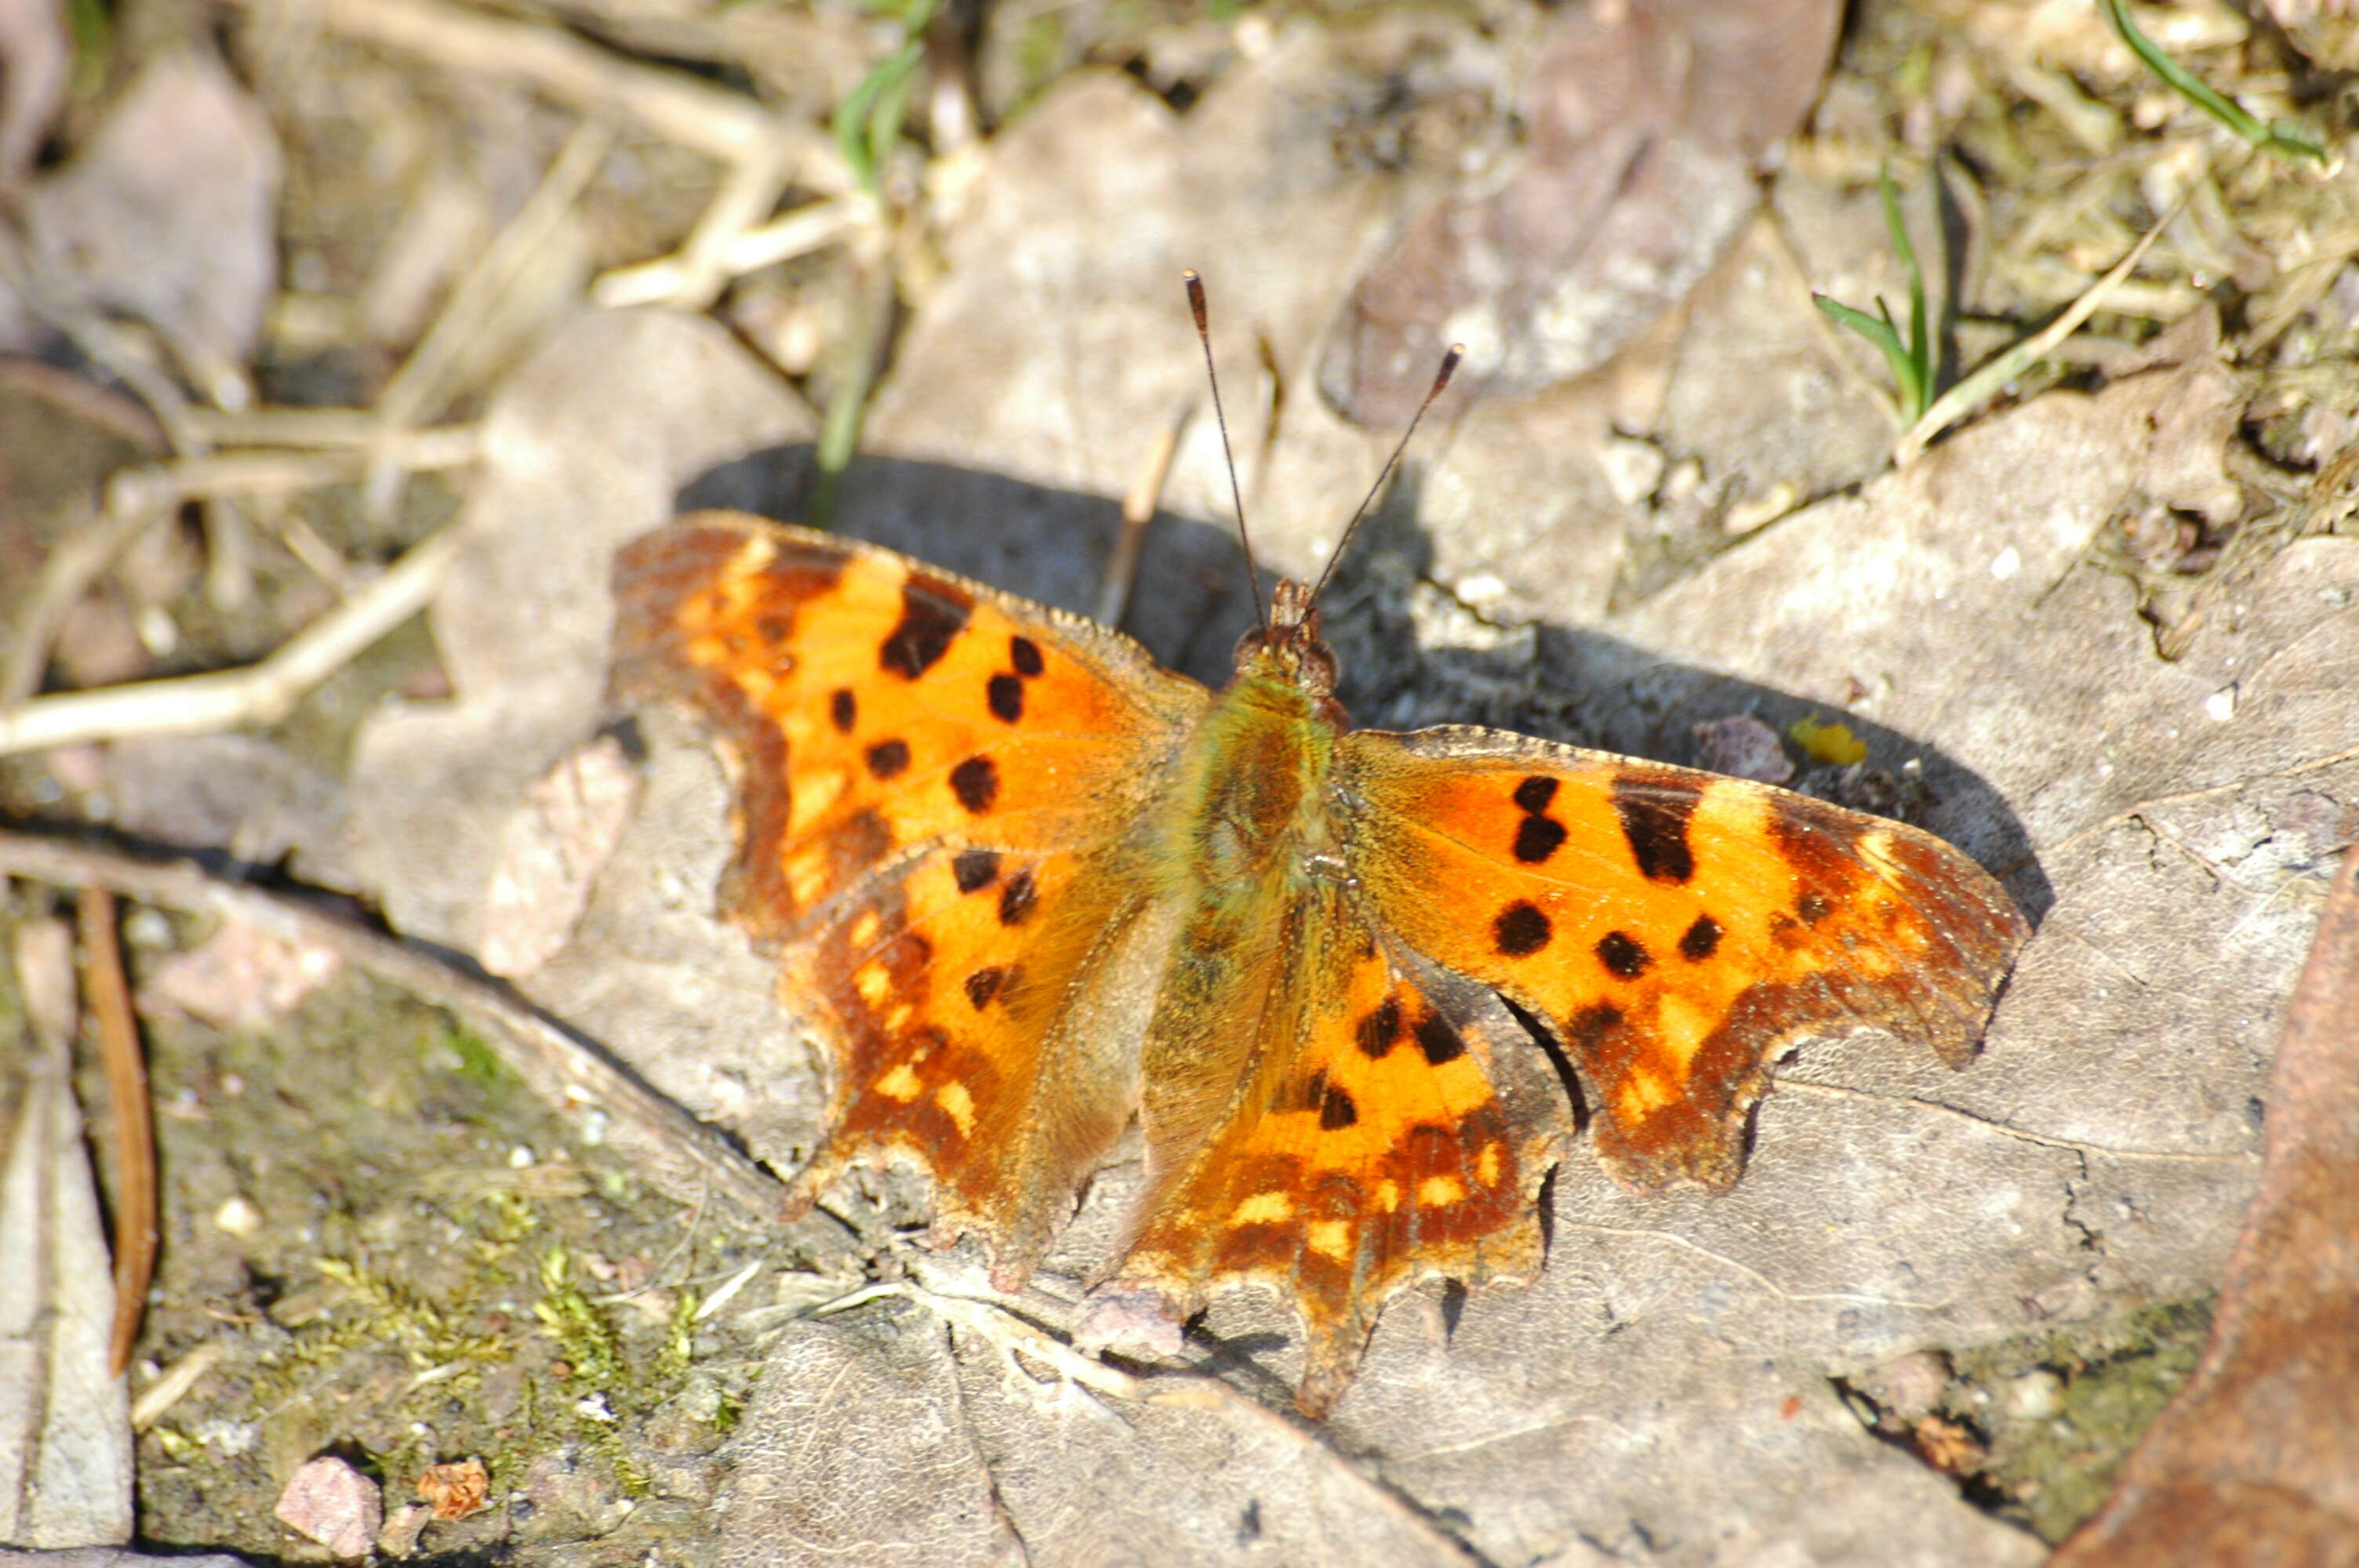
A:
(588, 1342)
(2053, 1456)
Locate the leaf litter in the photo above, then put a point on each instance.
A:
(2029, 630)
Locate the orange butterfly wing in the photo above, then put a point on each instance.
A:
(933, 781)
(1676, 930)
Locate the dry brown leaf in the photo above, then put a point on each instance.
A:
(1645, 120)
(455, 1490)
(65, 1425)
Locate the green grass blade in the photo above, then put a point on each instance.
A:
(1886, 339)
(859, 135)
(2283, 140)
(1921, 336)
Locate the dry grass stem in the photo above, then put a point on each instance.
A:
(65, 576)
(151, 491)
(258, 694)
(748, 193)
(1138, 510)
(127, 355)
(681, 278)
(133, 1118)
(423, 381)
(176, 1381)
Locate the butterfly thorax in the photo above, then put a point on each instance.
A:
(1254, 787)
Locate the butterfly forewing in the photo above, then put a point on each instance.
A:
(874, 704)
(1675, 929)
(936, 789)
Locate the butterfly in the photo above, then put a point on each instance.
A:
(1027, 886)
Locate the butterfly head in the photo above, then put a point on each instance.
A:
(1289, 648)
(1286, 647)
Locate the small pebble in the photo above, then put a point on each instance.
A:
(1909, 1388)
(238, 1216)
(328, 1501)
(2035, 1396)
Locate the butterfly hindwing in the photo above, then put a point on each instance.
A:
(1675, 929)
(1382, 1122)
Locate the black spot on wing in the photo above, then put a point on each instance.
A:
(1521, 930)
(1703, 939)
(975, 781)
(1654, 814)
(1017, 898)
(1005, 693)
(843, 709)
(983, 985)
(1537, 838)
(975, 869)
(1623, 955)
(888, 759)
(933, 613)
(1439, 1041)
(1024, 655)
(1534, 794)
(1376, 1033)
(1336, 1110)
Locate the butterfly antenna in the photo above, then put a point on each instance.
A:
(1205, 336)
(1440, 380)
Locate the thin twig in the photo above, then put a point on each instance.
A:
(158, 488)
(1138, 510)
(134, 1120)
(748, 194)
(226, 700)
(66, 574)
(673, 279)
(555, 1064)
(56, 302)
(302, 428)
